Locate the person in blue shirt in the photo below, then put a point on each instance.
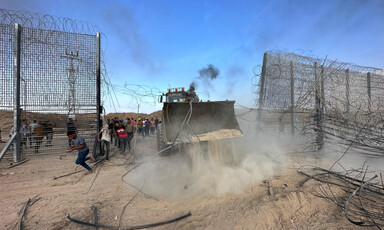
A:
(82, 148)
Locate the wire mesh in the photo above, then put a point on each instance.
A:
(338, 108)
(277, 83)
(6, 49)
(342, 102)
(58, 80)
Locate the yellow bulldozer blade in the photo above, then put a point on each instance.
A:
(199, 121)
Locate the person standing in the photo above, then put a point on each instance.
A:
(140, 125)
(133, 122)
(147, 127)
(48, 133)
(156, 123)
(23, 134)
(32, 127)
(71, 127)
(82, 148)
(115, 136)
(124, 122)
(122, 134)
(105, 139)
(11, 134)
(38, 135)
(130, 128)
(152, 126)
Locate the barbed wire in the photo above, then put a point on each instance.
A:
(54, 23)
(278, 75)
(46, 22)
(350, 97)
(138, 94)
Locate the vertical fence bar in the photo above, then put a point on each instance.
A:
(322, 111)
(292, 102)
(369, 90)
(317, 86)
(347, 91)
(16, 93)
(98, 107)
(322, 93)
(318, 115)
(261, 93)
(97, 145)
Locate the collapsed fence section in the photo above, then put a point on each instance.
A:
(50, 84)
(325, 100)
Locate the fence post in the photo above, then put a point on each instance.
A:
(292, 102)
(261, 93)
(322, 95)
(16, 93)
(347, 90)
(98, 67)
(317, 93)
(318, 115)
(369, 90)
(97, 145)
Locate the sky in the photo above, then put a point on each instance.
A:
(152, 45)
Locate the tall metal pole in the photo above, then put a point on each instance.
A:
(318, 114)
(347, 91)
(292, 102)
(369, 90)
(71, 80)
(322, 93)
(98, 97)
(261, 93)
(16, 93)
(317, 89)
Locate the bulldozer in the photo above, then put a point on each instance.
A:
(186, 120)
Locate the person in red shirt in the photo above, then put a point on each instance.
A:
(122, 135)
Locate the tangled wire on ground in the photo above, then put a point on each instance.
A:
(130, 164)
(361, 198)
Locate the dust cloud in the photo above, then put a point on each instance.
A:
(213, 168)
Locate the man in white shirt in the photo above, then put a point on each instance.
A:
(105, 139)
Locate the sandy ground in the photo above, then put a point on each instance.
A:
(273, 201)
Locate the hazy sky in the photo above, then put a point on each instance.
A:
(164, 43)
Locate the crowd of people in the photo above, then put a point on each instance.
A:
(34, 134)
(115, 131)
(120, 132)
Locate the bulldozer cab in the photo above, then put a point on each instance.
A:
(175, 95)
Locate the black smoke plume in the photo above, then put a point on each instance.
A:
(209, 73)
(192, 87)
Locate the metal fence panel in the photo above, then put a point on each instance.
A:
(277, 83)
(58, 81)
(7, 35)
(340, 101)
